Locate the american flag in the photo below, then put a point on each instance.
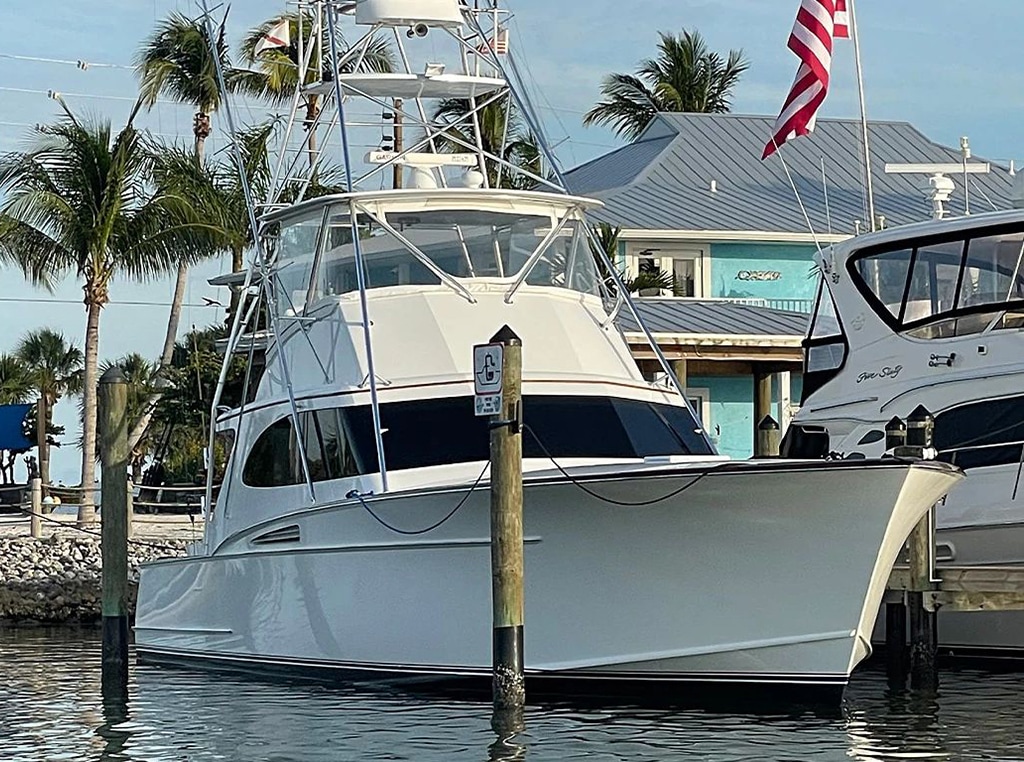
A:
(498, 43)
(818, 22)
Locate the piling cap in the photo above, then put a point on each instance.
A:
(112, 375)
(920, 416)
(506, 336)
(895, 424)
(768, 424)
(920, 427)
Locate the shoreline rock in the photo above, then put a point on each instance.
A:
(55, 580)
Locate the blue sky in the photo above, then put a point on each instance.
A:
(948, 66)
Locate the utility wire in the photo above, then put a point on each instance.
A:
(30, 300)
(80, 63)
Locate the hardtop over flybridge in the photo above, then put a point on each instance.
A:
(350, 529)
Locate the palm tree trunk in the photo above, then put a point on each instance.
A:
(236, 293)
(312, 111)
(201, 130)
(86, 507)
(42, 419)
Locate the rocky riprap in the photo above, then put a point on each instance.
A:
(56, 579)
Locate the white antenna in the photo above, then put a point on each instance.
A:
(938, 188)
(965, 154)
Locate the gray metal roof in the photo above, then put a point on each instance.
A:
(663, 180)
(710, 316)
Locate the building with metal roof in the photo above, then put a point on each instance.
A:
(693, 199)
(703, 174)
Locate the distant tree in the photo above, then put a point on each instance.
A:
(55, 366)
(184, 408)
(502, 134)
(15, 381)
(15, 388)
(685, 77)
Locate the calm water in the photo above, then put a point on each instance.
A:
(52, 710)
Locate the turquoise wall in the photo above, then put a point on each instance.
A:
(762, 271)
(732, 410)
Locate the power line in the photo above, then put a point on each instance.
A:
(36, 300)
(80, 63)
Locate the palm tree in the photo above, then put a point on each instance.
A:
(55, 365)
(275, 73)
(502, 134)
(177, 61)
(184, 408)
(686, 76)
(15, 381)
(81, 202)
(217, 190)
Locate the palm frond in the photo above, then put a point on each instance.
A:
(628, 107)
(177, 61)
(685, 76)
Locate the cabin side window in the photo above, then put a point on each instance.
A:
(979, 434)
(825, 347)
(272, 460)
(275, 459)
(942, 287)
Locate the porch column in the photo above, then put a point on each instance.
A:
(679, 368)
(785, 399)
(762, 398)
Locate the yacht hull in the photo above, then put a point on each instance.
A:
(761, 572)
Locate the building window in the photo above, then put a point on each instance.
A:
(700, 401)
(664, 272)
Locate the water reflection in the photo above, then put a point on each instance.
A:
(55, 709)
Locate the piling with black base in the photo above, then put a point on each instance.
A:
(896, 645)
(924, 639)
(509, 688)
(113, 432)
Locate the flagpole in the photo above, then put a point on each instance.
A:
(855, 34)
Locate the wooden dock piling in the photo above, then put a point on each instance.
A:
(113, 430)
(36, 505)
(509, 688)
(769, 438)
(924, 641)
(923, 630)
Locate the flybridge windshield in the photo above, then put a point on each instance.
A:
(953, 285)
(316, 254)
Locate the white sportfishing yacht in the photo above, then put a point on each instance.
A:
(932, 314)
(350, 532)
